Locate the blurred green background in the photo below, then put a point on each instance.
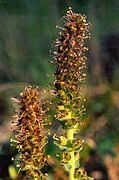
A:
(27, 32)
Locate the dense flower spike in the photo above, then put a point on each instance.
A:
(70, 63)
(30, 135)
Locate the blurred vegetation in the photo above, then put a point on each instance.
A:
(27, 32)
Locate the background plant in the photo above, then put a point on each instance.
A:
(30, 134)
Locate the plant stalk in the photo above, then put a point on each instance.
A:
(70, 137)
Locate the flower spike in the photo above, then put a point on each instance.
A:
(30, 135)
(70, 64)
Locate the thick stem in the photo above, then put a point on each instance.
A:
(70, 137)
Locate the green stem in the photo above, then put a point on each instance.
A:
(70, 137)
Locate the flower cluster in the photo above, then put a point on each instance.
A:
(70, 61)
(30, 134)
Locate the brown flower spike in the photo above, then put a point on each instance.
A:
(30, 135)
(70, 63)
